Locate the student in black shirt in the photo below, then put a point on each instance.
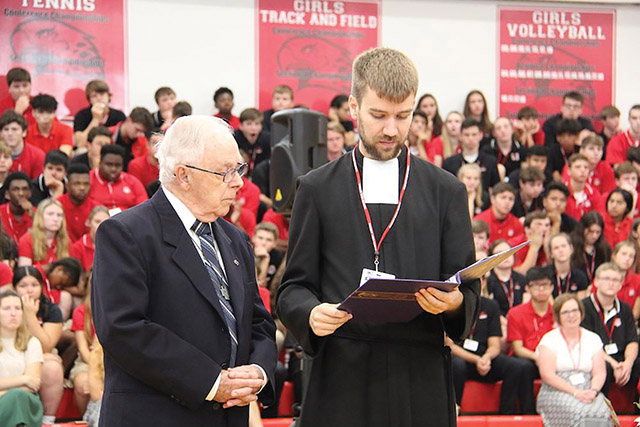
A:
(571, 109)
(252, 139)
(505, 285)
(565, 278)
(528, 196)
(99, 113)
(566, 131)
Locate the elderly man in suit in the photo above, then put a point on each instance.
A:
(187, 339)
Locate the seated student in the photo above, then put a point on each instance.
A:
(63, 284)
(610, 117)
(44, 321)
(554, 202)
(583, 197)
(145, 168)
(5, 166)
(76, 202)
(626, 178)
(535, 157)
(475, 107)
(339, 113)
(507, 150)
(130, 134)
(470, 136)
(282, 222)
(529, 321)
(165, 100)
(613, 321)
(110, 186)
(264, 246)
(623, 256)
(478, 358)
(565, 277)
(633, 156)
(98, 138)
(223, 101)
(429, 106)
(481, 233)
(504, 285)
(527, 127)
(96, 384)
(617, 221)
(26, 157)
(252, 139)
(48, 133)
(450, 137)
(537, 228)
(590, 247)
(51, 182)
(571, 109)
(336, 137)
(477, 199)
(84, 332)
(528, 196)
(498, 216)
(20, 366)
(620, 143)
(181, 109)
(99, 113)
(282, 100)
(19, 97)
(567, 133)
(83, 249)
(244, 210)
(17, 215)
(601, 175)
(415, 137)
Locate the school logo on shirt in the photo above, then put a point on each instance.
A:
(510, 233)
(515, 157)
(632, 292)
(574, 287)
(482, 316)
(587, 203)
(596, 182)
(618, 322)
(126, 190)
(517, 287)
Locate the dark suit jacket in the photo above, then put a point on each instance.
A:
(161, 325)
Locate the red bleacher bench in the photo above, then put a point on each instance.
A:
(285, 405)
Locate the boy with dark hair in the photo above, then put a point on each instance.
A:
(537, 226)
(76, 202)
(223, 101)
(181, 109)
(583, 197)
(610, 117)
(130, 134)
(620, 143)
(470, 137)
(554, 202)
(19, 83)
(627, 178)
(501, 222)
(50, 183)
(145, 168)
(26, 157)
(17, 215)
(99, 113)
(165, 100)
(252, 139)
(601, 175)
(47, 133)
(481, 234)
(535, 157)
(282, 100)
(527, 127)
(530, 186)
(567, 132)
(98, 138)
(571, 109)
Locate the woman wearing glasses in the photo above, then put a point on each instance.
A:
(572, 368)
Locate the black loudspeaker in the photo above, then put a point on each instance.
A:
(298, 145)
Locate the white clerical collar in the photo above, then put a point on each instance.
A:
(380, 180)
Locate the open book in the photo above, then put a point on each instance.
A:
(393, 300)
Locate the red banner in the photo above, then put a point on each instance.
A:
(310, 46)
(65, 44)
(545, 52)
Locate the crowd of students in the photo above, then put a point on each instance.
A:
(571, 191)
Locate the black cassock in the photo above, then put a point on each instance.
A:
(395, 374)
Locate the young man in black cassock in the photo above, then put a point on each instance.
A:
(390, 373)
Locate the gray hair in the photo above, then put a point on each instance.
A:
(185, 142)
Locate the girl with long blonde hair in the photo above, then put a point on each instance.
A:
(48, 239)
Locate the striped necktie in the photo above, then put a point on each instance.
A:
(216, 273)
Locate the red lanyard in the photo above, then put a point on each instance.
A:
(378, 245)
(567, 284)
(591, 269)
(601, 313)
(573, 363)
(508, 292)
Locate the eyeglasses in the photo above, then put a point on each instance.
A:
(227, 176)
(573, 311)
(608, 280)
(572, 106)
(540, 286)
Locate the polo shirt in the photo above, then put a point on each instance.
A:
(549, 127)
(249, 196)
(524, 324)
(25, 249)
(615, 232)
(279, 221)
(577, 208)
(84, 251)
(538, 137)
(619, 321)
(486, 325)
(630, 289)
(510, 161)
(520, 210)
(30, 161)
(575, 281)
(618, 146)
(6, 274)
(601, 178)
(59, 135)
(132, 149)
(521, 255)
(246, 221)
(77, 320)
(500, 229)
(144, 170)
(433, 148)
(487, 163)
(52, 293)
(14, 228)
(557, 158)
(76, 216)
(84, 117)
(234, 121)
(506, 294)
(7, 103)
(126, 192)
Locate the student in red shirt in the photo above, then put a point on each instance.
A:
(99, 113)
(84, 332)
(76, 201)
(26, 157)
(113, 188)
(165, 100)
(19, 82)
(83, 250)
(502, 223)
(583, 197)
(527, 127)
(130, 134)
(415, 137)
(47, 133)
(145, 168)
(617, 221)
(624, 255)
(223, 101)
(282, 223)
(620, 143)
(537, 228)
(601, 176)
(626, 176)
(17, 215)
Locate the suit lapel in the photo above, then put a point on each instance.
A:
(232, 268)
